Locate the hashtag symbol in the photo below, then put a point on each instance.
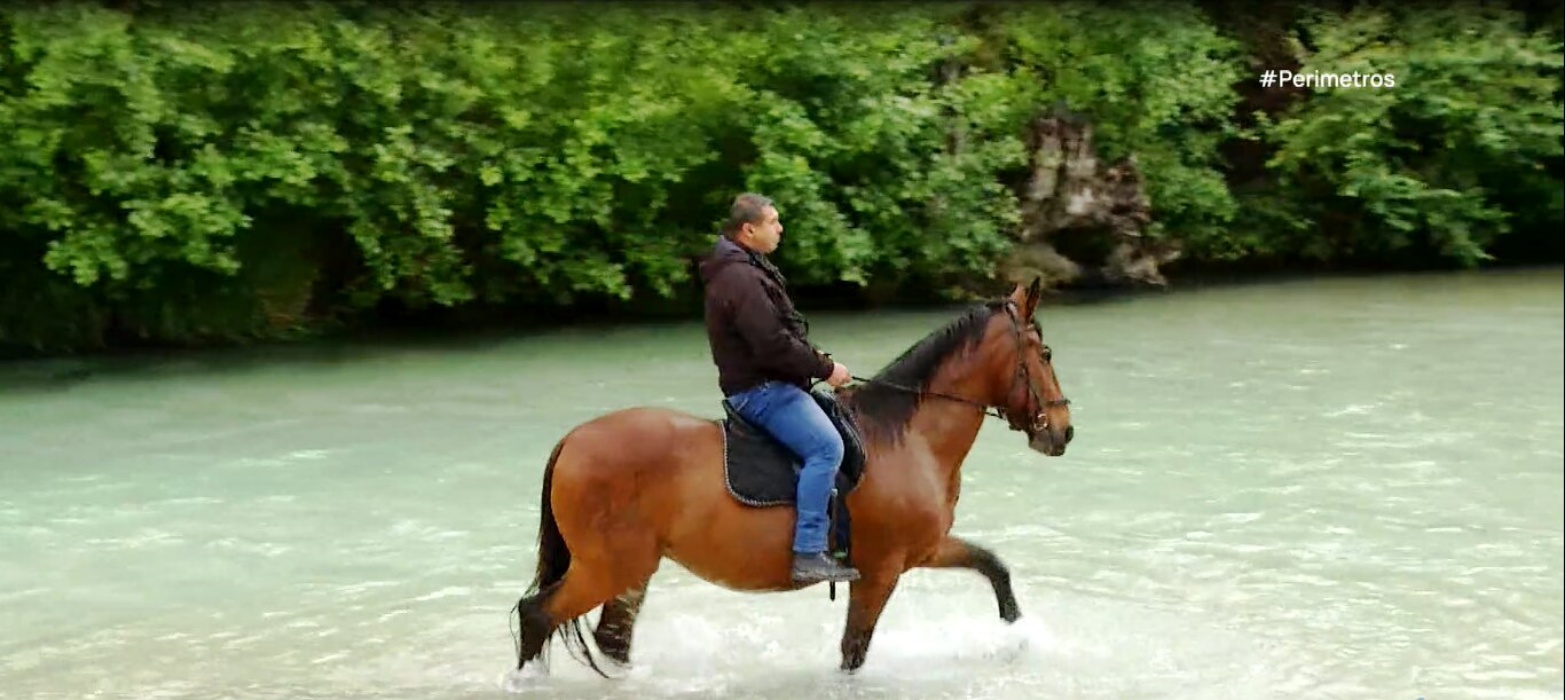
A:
(1268, 78)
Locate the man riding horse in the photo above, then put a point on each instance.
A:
(631, 488)
(765, 366)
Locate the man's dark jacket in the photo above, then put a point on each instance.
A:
(755, 333)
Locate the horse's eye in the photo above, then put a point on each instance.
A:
(1048, 353)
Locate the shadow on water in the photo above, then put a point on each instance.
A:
(60, 374)
(458, 336)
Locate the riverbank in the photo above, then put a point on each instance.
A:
(51, 372)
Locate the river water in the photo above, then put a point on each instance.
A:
(1344, 488)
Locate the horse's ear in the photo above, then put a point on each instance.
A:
(1034, 292)
(1019, 296)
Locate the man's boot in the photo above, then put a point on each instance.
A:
(814, 568)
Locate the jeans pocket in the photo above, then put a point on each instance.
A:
(751, 401)
(738, 401)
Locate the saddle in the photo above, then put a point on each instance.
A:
(761, 472)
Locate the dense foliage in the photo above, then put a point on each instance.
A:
(189, 173)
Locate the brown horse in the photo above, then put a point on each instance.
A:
(629, 488)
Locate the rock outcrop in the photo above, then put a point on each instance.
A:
(1083, 223)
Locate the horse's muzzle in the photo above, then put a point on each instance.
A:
(1052, 442)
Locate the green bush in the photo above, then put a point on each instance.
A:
(186, 173)
(1436, 168)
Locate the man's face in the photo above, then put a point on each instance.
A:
(765, 236)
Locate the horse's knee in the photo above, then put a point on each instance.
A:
(993, 568)
(988, 563)
(958, 553)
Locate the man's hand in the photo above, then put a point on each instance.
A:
(839, 375)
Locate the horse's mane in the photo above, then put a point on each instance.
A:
(883, 412)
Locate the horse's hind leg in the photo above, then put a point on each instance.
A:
(536, 626)
(591, 549)
(600, 573)
(617, 624)
(583, 588)
(957, 553)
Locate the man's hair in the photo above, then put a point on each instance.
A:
(748, 208)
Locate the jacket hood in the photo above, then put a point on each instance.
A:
(724, 253)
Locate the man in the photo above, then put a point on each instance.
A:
(765, 366)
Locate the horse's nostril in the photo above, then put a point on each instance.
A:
(1070, 432)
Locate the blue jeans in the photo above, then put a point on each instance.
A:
(794, 419)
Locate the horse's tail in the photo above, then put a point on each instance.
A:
(554, 559)
(554, 556)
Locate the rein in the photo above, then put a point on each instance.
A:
(987, 409)
(1040, 419)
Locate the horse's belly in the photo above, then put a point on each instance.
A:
(725, 542)
(681, 493)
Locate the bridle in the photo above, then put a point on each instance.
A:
(1031, 425)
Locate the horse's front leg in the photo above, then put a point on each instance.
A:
(866, 599)
(957, 553)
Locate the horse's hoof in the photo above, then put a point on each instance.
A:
(524, 679)
(1011, 616)
(851, 666)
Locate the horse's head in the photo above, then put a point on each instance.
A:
(1020, 368)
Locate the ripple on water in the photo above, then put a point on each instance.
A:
(924, 651)
(1268, 504)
